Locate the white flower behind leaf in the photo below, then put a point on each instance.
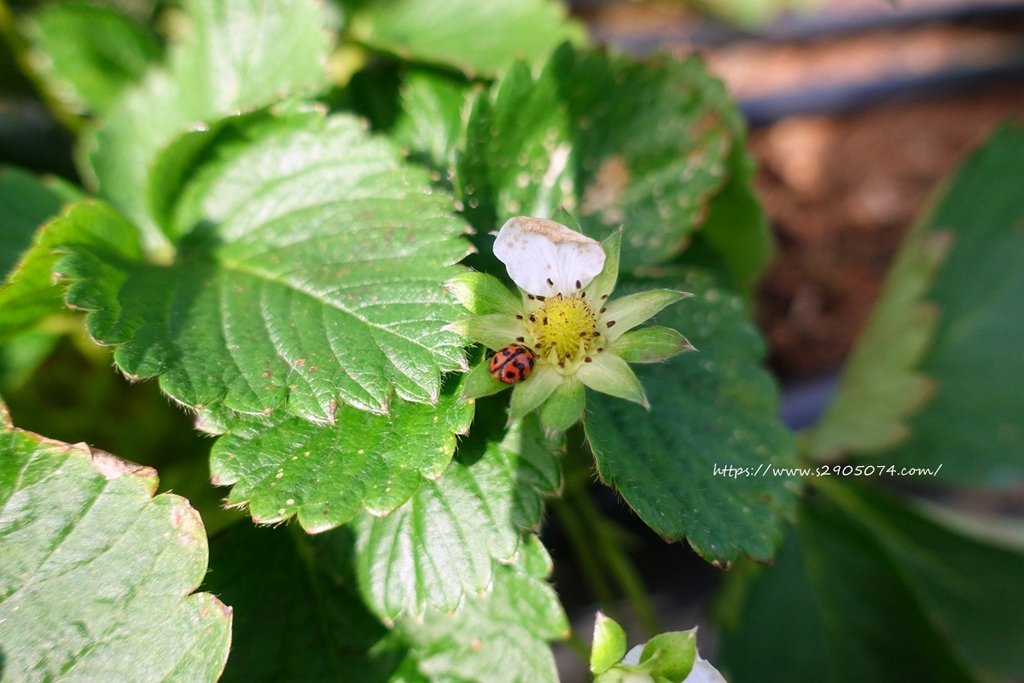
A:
(568, 334)
(666, 658)
(701, 672)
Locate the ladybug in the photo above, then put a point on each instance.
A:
(512, 364)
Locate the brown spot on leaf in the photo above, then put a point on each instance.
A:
(113, 467)
(707, 123)
(605, 195)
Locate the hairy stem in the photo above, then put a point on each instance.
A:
(597, 541)
(586, 552)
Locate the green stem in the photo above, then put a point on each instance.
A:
(597, 541)
(578, 646)
(305, 552)
(609, 538)
(583, 548)
(9, 34)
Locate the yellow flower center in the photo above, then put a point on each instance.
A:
(566, 326)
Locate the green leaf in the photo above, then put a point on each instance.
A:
(440, 546)
(318, 282)
(430, 123)
(88, 55)
(324, 474)
(873, 591)
(750, 14)
(298, 615)
(949, 329)
(26, 257)
(98, 575)
(23, 354)
(237, 56)
(26, 202)
(480, 38)
(709, 411)
(609, 644)
(735, 239)
(504, 630)
(66, 390)
(880, 386)
(618, 142)
(516, 156)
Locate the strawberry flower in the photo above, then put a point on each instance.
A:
(561, 333)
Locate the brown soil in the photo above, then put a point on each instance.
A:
(841, 192)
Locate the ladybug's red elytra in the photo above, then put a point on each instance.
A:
(512, 364)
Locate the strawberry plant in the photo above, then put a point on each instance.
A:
(324, 240)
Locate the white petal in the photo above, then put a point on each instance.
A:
(545, 258)
(703, 672)
(632, 657)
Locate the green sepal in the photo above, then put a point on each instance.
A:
(567, 218)
(629, 311)
(629, 673)
(609, 374)
(479, 382)
(529, 394)
(481, 293)
(604, 283)
(650, 345)
(671, 654)
(494, 330)
(564, 407)
(609, 645)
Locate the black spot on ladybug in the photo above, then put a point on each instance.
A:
(512, 364)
